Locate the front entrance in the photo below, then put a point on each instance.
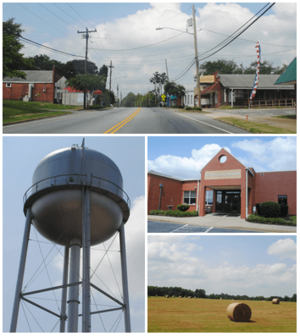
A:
(228, 201)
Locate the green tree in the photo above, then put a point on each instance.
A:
(129, 100)
(158, 78)
(222, 66)
(174, 89)
(13, 61)
(265, 68)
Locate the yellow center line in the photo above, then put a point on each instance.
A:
(115, 128)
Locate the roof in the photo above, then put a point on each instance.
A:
(70, 89)
(212, 88)
(172, 177)
(289, 77)
(246, 82)
(32, 76)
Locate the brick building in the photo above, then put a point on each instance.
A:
(221, 89)
(38, 85)
(226, 186)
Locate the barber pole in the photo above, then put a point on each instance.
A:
(257, 73)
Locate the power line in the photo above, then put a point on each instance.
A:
(49, 48)
(237, 35)
(47, 22)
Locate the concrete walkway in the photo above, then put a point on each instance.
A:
(223, 221)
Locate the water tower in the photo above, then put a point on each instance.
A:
(76, 200)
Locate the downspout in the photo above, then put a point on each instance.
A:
(160, 190)
(197, 205)
(246, 193)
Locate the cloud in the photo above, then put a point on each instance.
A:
(185, 167)
(180, 264)
(149, 47)
(284, 248)
(277, 154)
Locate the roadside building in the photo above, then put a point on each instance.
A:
(38, 85)
(71, 96)
(225, 186)
(188, 99)
(221, 89)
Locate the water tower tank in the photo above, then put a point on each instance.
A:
(55, 196)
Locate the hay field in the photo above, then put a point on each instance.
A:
(205, 315)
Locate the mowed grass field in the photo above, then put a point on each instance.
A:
(205, 315)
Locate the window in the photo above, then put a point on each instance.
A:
(189, 197)
(209, 196)
(282, 199)
(8, 84)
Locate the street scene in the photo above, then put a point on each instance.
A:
(171, 71)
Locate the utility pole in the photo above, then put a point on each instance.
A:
(196, 57)
(118, 94)
(167, 70)
(110, 71)
(86, 32)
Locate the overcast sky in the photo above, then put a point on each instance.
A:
(127, 36)
(239, 265)
(21, 157)
(185, 156)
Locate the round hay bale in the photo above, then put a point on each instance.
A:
(167, 296)
(239, 312)
(275, 301)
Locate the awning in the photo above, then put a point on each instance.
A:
(210, 89)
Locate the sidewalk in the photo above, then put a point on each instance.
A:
(211, 220)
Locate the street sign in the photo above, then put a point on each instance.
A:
(163, 97)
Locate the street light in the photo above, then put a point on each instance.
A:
(189, 23)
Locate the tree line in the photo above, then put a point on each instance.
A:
(200, 293)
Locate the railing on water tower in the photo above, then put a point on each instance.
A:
(76, 179)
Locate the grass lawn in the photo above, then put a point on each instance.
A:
(287, 117)
(254, 127)
(205, 315)
(14, 111)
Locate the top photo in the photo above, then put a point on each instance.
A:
(149, 68)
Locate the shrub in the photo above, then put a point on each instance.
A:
(197, 108)
(183, 207)
(269, 209)
(263, 220)
(156, 212)
(284, 210)
(188, 108)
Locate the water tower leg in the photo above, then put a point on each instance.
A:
(124, 279)
(73, 301)
(14, 320)
(86, 244)
(64, 290)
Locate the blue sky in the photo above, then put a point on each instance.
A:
(250, 265)
(21, 155)
(126, 35)
(185, 156)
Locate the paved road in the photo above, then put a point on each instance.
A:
(125, 121)
(162, 227)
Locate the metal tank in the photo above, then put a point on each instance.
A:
(76, 200)
(55, 196)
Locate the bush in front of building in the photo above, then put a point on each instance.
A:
(269, 210)
(156, 212)
(183, 207)
(197, 108)
(284, 210)
(263, 220)
(188, 108)
(174, 213)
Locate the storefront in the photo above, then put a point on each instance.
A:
(226, 186)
